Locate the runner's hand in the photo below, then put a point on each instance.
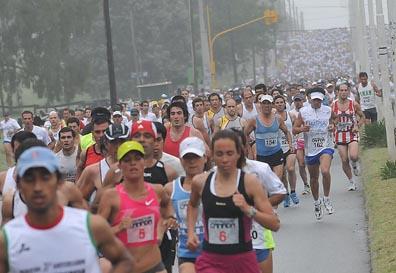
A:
(305, 128)
(171, 223)
(125, 222)
(192, 242)
(355, 129)
(331, 127)
(240, 202)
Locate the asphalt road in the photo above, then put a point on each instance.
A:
(336, 244)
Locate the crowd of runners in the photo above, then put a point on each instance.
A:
(192, 181)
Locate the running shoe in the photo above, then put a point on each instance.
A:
(318, 210)
(294, 198)
(328, 205)
(356, 168)
(286, 201)
(307, 189)
(352, 186)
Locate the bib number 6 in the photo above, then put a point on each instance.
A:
(222, 236)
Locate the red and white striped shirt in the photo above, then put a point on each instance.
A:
(345, 121)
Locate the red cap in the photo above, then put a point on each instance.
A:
(144, 126)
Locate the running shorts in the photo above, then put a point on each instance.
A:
(315, 159)
(272, 160)
(218, 263)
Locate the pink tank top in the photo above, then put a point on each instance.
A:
(145, 215)
(172, 147)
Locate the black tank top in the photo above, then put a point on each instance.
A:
(156, 174)
(227, 228)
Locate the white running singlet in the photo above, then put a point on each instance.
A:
(319, 137)
(367, 96)
(9, 183)
(66, 247)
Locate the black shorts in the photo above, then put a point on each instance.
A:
(273, 160)
(285, 155)
(186, 260)
(371, 114)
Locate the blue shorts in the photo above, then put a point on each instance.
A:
(6, 141)
(315, 159)
(262, 254)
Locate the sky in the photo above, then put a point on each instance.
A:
(322, 14)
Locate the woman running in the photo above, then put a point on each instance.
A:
(136, 210)
(193, 158)
(231, 199)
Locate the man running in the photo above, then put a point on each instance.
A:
(367, 92)
(67, 156)
(316, 122)
(216, 110)
(9, 127)
(48, 237)
(200, 120)
(178, 130)
(247, 109)
(41, 133)
(349, 118)
(230, 119)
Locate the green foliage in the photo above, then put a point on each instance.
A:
(389, 170)
(374, 135)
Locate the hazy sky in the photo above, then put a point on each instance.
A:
(320, 14)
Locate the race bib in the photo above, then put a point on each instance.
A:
(318, 142)
(344, 126)
(141, 229)
(271, 140)
(223, 231)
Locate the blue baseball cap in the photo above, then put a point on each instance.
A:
(37, 157)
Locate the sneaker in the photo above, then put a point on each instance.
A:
(318, 211)
(286, 201)
(352, 186)
(356, 169)
(294, 198)
(307, 189)
(328, 205)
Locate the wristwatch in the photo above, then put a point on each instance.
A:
(252, 212)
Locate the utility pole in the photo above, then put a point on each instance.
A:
(110, 58)
(374, 56)
(231, 36)
(135, 53)
(353, 27)
(193, 62)
(204, 46)
(302, 27)
(363, 41)
(297, 19)
(383, 51)
(254, 64)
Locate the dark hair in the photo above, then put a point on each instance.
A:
(27, 112)
(38, 121)
(180, 105)
(363, 74)
(246, 90)
(100, 120)
(214, 94)
(21, 136)
(65, 130)
(273, 90)
(72, 120)
(26, 144)
(229, 134)
(161, 130)
(196, 100)
(143, 102)
(178, 98)
(240, 134)
(260, 86)
(279, 97)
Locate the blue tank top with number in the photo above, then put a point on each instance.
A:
(180, 198)
(267, 138)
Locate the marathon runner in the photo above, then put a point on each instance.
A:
(41, 133)
(349, 118)
(138, 211)
(316, 122)
(192, 154)
(289, 155)
(216, 110)
(9, 127)
(67, 156)
(230, 119)
(367, 92)
(230, 199)
(200, 120)
(47, 237)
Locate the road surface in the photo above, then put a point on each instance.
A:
(338, 243)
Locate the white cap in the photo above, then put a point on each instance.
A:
(267, 98)
(164, 96)
(328, 85)
(192, 145)
(317, 95)
(117, 113)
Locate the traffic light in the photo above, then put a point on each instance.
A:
(270, 17)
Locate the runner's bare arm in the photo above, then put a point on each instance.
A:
(192, 210)
(81, 164)
(199, 125)
(250, 126)
(283, 127)
(377, 91)
(359, 113)
(171, 174)
(113, 176)
(6, 210)
(265, 215)
(85, 183)
(74, 196)
(298, 125)
(239, 110)
(111, 248)
(2, 180)
(3, 253)
(217, 126)
(106, 208)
